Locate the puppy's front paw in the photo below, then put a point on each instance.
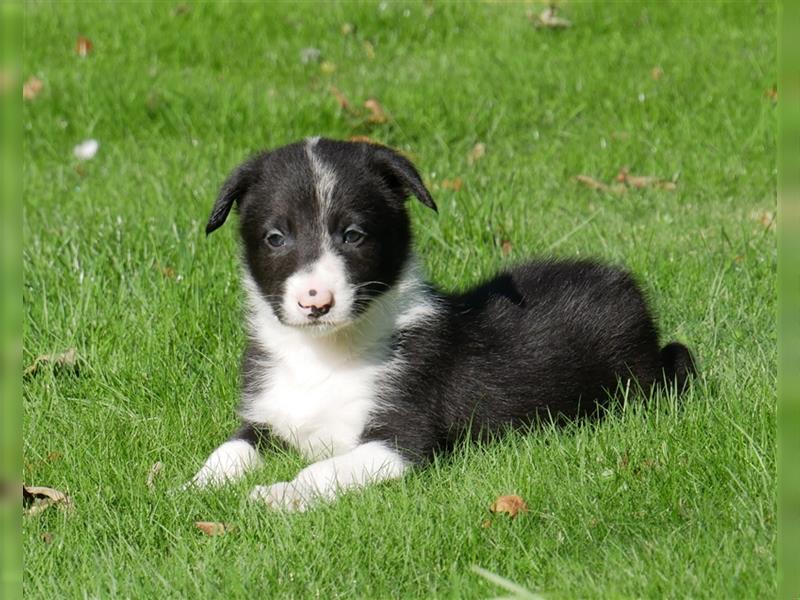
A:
(284, 495)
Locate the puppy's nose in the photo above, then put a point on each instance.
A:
(315, 302)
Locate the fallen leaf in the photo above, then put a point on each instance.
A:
(641, 181)
(83, 46)
(67, 360)
(377, 114)
(477, 153)
(157, 467)
(327, 67)
(644, 181)
(772, 93)
(86, 150)
(363, 138)
(486, 523)
(36, 499)
(168, 272)
(453, 184)
(213, 529)
(591, 182)
(341, 99)
(766, 218)
(656, 73)
(549, 18)
(348, 29)
(47, 537)
(506, 247)
(513, 505)
(32, 87)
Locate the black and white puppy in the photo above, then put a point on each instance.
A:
(366, 369)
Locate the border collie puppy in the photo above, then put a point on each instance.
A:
(365, 368)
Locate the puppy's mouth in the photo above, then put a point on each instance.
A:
(318, 325)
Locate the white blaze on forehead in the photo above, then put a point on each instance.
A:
(323, 174)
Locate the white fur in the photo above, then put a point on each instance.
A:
(324, 480)
(328, 272)
(227, 463)
(324, 177)
(320, 388)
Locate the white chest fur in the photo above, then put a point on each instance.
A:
(315, 400)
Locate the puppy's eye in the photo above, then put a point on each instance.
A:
(276, 239)
(353, 235)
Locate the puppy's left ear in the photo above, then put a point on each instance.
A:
(400, 174)
(234, 189)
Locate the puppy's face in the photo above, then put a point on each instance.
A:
(324, 227)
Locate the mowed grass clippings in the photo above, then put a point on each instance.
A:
(670, 499)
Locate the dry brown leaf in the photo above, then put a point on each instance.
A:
(36, 499)
(477, 153)
(644, 181)
(641, 181)
(549, 18)
(211, 528)
(83, 46)
(506, 247)
(377, 114)
(656, 73)
(32, 87)
(363, 138)
(766, 218)
(67, 360)
(168, 272)
(512, 505)
(341, 99)
(591, 182)
(772, 93)
(453, 184)
(155, 470)
(486, 523)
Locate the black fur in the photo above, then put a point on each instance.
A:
(546, 340)
(549, 339)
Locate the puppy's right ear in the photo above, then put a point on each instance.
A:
(234, 189)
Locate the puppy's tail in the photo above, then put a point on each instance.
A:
(678, 365)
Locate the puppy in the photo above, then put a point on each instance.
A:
(365, 368)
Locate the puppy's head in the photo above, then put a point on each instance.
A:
(324, 227)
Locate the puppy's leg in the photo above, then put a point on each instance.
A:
(231, 460)
(324, 480)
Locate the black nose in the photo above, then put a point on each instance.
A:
(318, 311)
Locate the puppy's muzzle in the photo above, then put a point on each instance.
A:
(315, 303)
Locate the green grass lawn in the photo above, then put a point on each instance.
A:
(675, 499)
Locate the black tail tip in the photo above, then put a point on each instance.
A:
(679, 365)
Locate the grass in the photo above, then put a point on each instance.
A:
(669, 499)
